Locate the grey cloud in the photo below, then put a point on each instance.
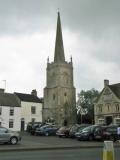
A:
(90, 16)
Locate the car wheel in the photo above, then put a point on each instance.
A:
(46, 134)
(13, 140)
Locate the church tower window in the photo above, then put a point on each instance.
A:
(65, 94)
(53, 96)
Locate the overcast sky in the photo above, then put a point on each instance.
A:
(91, 34)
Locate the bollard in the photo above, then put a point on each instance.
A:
(108, 151)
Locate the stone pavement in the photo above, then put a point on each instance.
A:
(50, 143)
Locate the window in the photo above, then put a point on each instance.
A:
(0, 110)
(11, 111)
(117, 107)
(108, 106)
(11, 123)
(100, 121)
(117, 121)
(100, 108)
(33, 110)
(65, 94)
(0, 123)
(53, 96)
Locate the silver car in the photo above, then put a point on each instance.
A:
(8, 136)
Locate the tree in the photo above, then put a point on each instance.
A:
(86, 102)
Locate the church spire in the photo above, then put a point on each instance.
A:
(59, 48)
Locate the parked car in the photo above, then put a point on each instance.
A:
(8, 136)
(63, 131)
(31, 125)
(46, 130)
(34, 127)
(110, 133)
(90, 133)
(77, 128)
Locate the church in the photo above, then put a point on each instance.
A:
(59, 93)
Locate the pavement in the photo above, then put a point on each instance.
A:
(30, 143)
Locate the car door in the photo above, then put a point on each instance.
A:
(4, 135)
(98, 133)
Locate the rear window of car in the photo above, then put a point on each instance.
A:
(62, 128)
(3, 130)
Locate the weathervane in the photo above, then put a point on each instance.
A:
(58, 10)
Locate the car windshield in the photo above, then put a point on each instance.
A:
(87, 129)
(81, 128)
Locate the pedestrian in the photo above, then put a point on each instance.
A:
(118, 132)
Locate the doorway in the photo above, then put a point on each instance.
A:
(22, 124)
(109, 120)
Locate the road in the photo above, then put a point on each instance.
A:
(73, 154)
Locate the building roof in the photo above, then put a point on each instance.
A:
(8, 99)
(28, 97)
(115, 89)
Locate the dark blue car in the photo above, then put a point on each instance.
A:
(46, 130)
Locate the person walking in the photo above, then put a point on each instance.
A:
(118, 133)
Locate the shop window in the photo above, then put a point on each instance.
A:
(117, 121)
(101, 121)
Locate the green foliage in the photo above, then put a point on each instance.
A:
(86, 100)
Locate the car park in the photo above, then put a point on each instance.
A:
(46, 130)
(8, 136)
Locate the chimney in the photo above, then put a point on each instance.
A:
(2, 90)
(34, 92)
(106, 82)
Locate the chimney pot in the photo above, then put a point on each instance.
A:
(34, 92)
(106, 82)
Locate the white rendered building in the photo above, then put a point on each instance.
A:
(31, 108)
(10, 111)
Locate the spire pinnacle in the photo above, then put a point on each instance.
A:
(59, 48)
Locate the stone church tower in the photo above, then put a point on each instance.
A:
(59, 93)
